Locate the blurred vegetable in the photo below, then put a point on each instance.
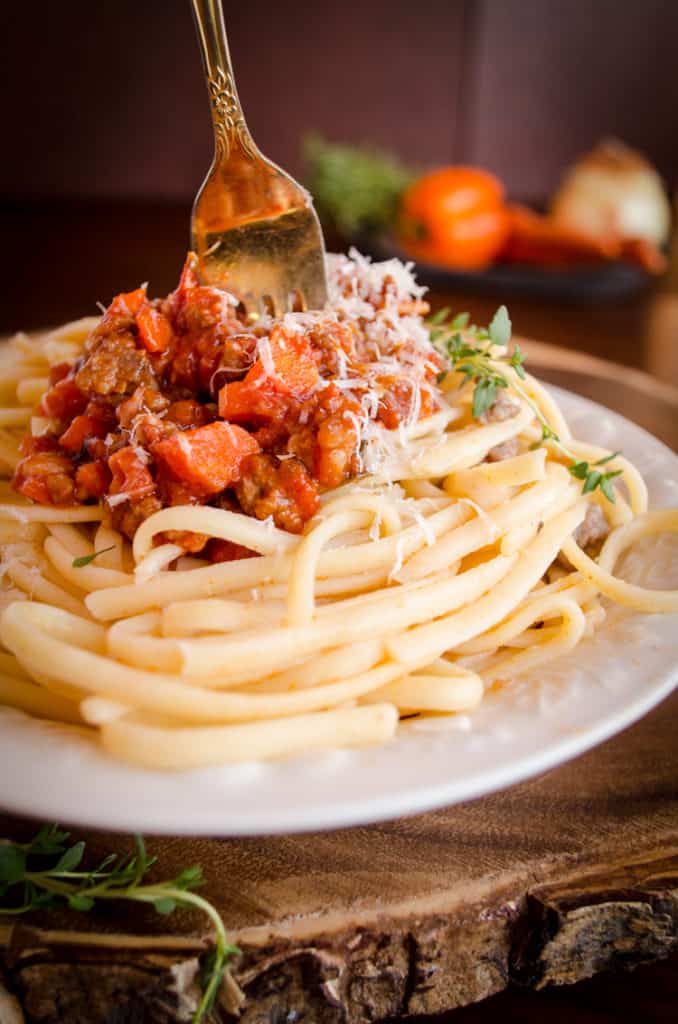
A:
(541, 239)
(614, 191)
(454, 217)
(355, 189)
(538, 238)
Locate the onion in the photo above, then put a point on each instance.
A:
(614, 191)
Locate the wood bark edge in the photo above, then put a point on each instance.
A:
(616, 916)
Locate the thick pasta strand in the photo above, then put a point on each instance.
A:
(152, 745)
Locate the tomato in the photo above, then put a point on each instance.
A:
(454, 216)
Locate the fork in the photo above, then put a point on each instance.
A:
(253, 227)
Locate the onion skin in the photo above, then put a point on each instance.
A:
(614, 191)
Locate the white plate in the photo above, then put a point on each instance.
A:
(571, 705)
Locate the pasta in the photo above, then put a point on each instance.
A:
(454, 552)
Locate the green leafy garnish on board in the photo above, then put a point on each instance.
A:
(470, 350)
(354, 188)
(80, 563)
(46, 872)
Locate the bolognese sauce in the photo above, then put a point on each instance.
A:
(181, 400)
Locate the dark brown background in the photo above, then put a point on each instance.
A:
(106, 99)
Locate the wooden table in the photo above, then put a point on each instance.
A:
(553, 881)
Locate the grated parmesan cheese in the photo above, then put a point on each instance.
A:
(112, 500)
(266, 356)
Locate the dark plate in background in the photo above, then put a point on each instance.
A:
(606, 282)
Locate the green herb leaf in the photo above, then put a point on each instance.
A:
(80, 563)
(517, 360)
(78, 901)
(12, 863)
(606, 485)
(460, 321)
(608, 458)
(484, 396)
(580, 470)
(165, 905)
(440, 317)
(70, 859)
(500, 327)
(592, 480)
(49, 840)
(190, 878)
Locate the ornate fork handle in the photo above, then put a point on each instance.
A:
(229, 121)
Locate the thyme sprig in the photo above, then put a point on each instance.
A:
(84, 560)
(480, 355)
(46, 872)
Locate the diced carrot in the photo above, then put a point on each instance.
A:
(155, 330)
(264, 395)
(294, 368)
(92, 480)
(130, 476)
(127, 303)
(81, 428)
(208, 458)
(245, 401)
(63, 401)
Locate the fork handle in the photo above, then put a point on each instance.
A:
(230, 129)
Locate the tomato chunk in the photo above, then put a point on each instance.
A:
(155, 330)
(207, 459)
(80, 429)
(130, 475)
(64, 400)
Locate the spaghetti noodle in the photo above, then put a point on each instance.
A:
(406, 560)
